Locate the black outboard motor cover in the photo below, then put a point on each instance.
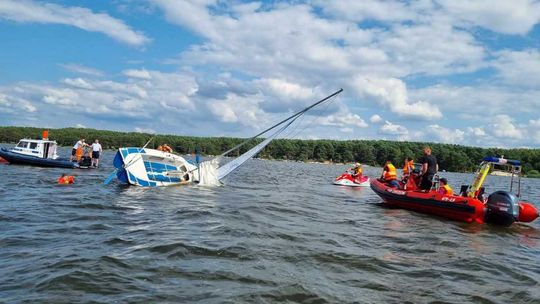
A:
(502, 208)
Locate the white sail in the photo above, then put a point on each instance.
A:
(208, 171)
(235, 163)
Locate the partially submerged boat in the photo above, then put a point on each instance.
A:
(471, 205)
(154, 168)
(346, 179)
(36, 152)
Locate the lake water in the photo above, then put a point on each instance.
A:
(274, 232)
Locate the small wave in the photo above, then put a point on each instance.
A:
(181, 250)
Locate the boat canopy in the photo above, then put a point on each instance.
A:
(501, 161)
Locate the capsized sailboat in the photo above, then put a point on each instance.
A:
(154, 168)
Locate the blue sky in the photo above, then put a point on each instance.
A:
(454, 71)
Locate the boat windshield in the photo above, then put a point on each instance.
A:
(22, 144)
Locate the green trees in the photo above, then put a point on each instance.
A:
(371, 152)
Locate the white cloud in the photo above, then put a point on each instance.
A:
(343, 120)
(503, 127)
(80, 126)
(480, 102)
(144, 130)
(238, 109)
(534, 123)
(347, 130)
(375, 118)
(519, 68)
(393, 129)
(141, 74)
(445, 135)
(83, 18)
(81, 69)
(11, 104)
(357, 11)
(476, 131)
(509, 17)
(392, 93)
(284, 89)
(78, 83)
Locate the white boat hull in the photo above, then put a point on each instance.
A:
(153, 168)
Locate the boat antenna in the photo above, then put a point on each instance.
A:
(283, 121)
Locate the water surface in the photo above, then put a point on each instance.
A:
(274, 232)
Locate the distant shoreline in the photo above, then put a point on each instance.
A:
(454, 158)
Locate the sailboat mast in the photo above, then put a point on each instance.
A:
(283, 121)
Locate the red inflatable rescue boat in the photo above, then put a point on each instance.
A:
(500, 207)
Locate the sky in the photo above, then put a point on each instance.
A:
(450, 71)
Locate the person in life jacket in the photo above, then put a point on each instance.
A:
(66, 179)
(444, 187)
(165, 148)
(408, 167)
(389, 175)
(356, 171)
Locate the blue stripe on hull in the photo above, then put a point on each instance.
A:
(158, 167)
(141, 182)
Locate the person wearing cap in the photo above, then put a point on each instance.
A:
(445, 188)
(356, 171)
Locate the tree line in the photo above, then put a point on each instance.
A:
(455, 158)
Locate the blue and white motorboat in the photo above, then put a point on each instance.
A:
(36, 152)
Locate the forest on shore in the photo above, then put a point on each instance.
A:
(455, 158)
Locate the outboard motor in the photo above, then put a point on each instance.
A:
(502, 208)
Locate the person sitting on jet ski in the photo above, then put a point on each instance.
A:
(356, 171)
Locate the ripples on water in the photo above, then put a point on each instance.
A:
(275, 232)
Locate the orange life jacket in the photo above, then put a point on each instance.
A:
(408, 167)
(357, 171)
(68, 179)
(447, 190)
(390, 172)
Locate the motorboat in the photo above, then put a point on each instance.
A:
(471, 204)
(36, 152)
(142, 166)
(346, 179)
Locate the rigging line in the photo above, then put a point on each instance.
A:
(283, 121)
(295, 127)
(314, 119)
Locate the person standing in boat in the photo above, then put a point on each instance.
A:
(429, 169)
(389, 175)
(96, 151)
(79, 145)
